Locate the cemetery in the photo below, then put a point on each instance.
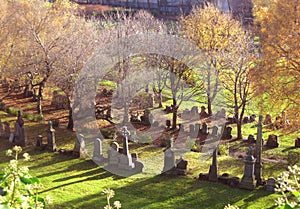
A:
(134, 110)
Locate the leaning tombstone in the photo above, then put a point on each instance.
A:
(181, 166)
(51, 145)
(98, 155)
(248, 181)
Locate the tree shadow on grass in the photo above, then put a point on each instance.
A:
(171, 192)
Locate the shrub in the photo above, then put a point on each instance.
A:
(18, 188)
(289, 187)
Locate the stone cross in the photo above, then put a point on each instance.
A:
(258, 153)
(98, 155)
(213, 169)
(125, 134)
(51, 145)
(248, 181)
(126, 159)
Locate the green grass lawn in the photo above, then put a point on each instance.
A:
(78, 183)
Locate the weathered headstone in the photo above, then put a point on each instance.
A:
(258, 153)
(181, 166)
(138, 165)
(155, 124)
(251, 139)
(113, 154)
(270, 185)
(248, 181)
(39, 140)
(227, 133)
(213, 169)
(51, 145)
(125, 159)
(246, 119)
(297, 143)
(98, 154)
(169, 160)
(272, 141)
(268, 119)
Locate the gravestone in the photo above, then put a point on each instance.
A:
(138, 165)
(98, 155)
(169, 158)
(248, 181)
(214, 131)
(270, 185)
(194, 111)
(125, 159)
(113, 154)
(181, 166)
(51, 145)
(297, 143)
(6, 129)
(213, 169)
(272, 141)
(251, 139)
(39, 140)
(197, 128)
(246, 119)
(79, 147)
(268, 119)
(19, 134)
(192, 129)
(181, 127)
(204, 128)
(252, 118)
(227, 133)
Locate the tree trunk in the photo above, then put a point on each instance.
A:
(174, 116)
(160, 99)
(70, 122)
(239, 129)
(40, 98)
(209, 108)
